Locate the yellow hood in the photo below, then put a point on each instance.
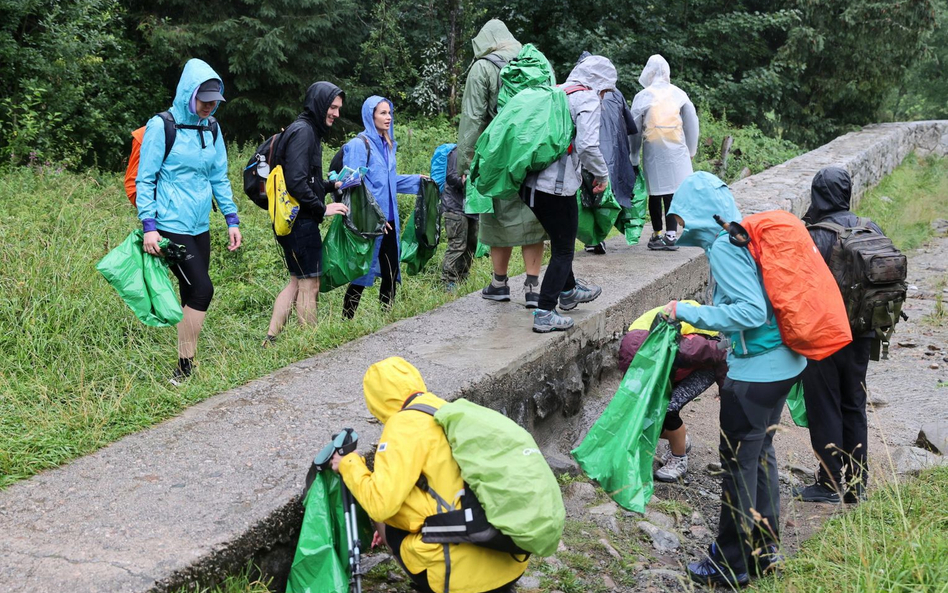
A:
(388, 383)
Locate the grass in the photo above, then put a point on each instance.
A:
(895, 541)
(242, 582)
(906, 202)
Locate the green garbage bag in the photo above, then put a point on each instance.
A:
(618, 450)
(532, 132)
(597, 212)
(350, 240)
(797, 406)
(482, 250)
(631, 220)
(530, 69)
(423, 230)
(142, 281)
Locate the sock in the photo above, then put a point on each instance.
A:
(499, 280)
(532, 280)
(671, 235)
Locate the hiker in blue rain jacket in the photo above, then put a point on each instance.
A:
(761, 372)
(383, 183)
(175, 196)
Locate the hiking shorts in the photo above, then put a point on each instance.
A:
(303, 249)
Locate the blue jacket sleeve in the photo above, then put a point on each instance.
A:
(151, 157)
(741, 303)
(407, 184)
(220, 183)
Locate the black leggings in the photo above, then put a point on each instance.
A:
(194, 282)
(559, 216)
(388, 268)
(655, 213)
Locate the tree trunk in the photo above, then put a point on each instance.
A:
(454, 8)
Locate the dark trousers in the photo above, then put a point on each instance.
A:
(655, 204)
(559, 216)
(194, 281)
(835, 394)
(462, 243)
(388, 267)
(750, 498)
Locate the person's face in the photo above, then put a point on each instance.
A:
(333, 112)
(383, 116)
(204, 110)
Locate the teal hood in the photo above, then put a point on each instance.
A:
(195, 73)
(701, 196)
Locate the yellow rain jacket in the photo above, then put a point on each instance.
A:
(412, 444)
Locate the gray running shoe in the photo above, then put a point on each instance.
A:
(496, 293)
(673, 470)
(663, 453)
(548, 321)
(581, 293)
(531, 295)
(662, 243)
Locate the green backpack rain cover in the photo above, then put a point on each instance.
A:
(510, 477)
(532, 131)
(597, 212)
(423, 230)
(142, 281)
(631, 220)
(530, 69)
(618, 450)
(350, 241)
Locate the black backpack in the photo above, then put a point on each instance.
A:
(871, 273)
(257, 169)
(335, 165)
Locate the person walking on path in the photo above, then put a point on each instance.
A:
(175, 194)
(300, 152)
(667, 136)
(512, 224)
(461, 228)
(834, 388)
(383, 182)
(761, 372)
(551, 193)
(414, 446)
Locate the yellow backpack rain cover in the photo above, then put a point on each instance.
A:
(282, 206)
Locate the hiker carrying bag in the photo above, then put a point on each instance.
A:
(171, 130)
(257, 171)
(871, 273)
(505, 476)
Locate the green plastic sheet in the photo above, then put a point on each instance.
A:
(597, 212)
(423, 230)
(618, 450)
(321, 562)
(482, 250)
(530, 69)
(350, 241)
(142, 281)
(797, 406)
(529, 134)
(631, 221)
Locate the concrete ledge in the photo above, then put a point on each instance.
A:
(197, 496)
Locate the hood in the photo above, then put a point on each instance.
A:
(596, 72)
(656, 71)
(387, 384)
(368, 120)
(319, 96)
(494, 37)
(701, 196)
(831, 192)
(195, 73)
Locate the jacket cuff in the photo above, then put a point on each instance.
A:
(232, 219)
(149, 225)
(685, 312)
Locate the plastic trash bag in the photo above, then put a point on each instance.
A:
(597, 212)
(631, 221)
(423, 231)
(797, 406)
(142, 281)
(482, 250)
(321, 562)
(618, 450)
(350, 241)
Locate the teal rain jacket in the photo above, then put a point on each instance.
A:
(382, 181)
(192, 176)
(740, 304)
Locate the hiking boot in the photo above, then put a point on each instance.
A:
(768, 560)
(269, 341)
(855, 495)
(664, 453)
(492, 292)
(660, 242)
(531, 295)
(581, 293)
(709, 572)
(599, 249)
(182, 371)
(673, 470)
(816, 493)
(548, 321)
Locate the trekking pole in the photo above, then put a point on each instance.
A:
(352, 539)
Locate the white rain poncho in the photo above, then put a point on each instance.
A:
(667, 129)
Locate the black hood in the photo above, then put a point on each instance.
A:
(831, 192)
(319, 96)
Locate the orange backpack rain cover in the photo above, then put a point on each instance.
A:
(131, 172)
(810, 311)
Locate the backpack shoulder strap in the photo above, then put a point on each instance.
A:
(430, 410)
(575, 88)
(215, 127)
(368, 148)
(171, 130)
(495, 59)
(829, 226)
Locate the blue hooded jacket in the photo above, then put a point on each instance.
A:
(740, 304)
(381, 180)
(191, 176)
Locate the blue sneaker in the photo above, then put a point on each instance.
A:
(710, 572)
(581, 293)
(548, 321)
